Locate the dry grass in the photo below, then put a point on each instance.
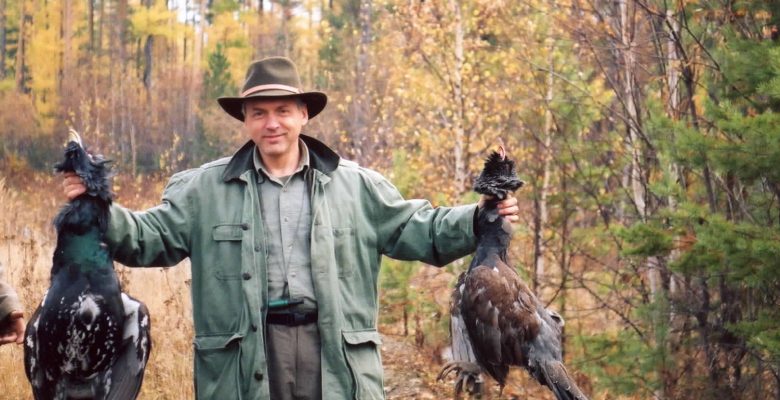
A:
(27, 241)
(29, 203)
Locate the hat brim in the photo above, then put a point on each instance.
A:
(315, 102)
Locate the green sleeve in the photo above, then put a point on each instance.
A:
(159, 236)
(415, 230)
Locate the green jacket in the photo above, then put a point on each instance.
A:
(211, 215)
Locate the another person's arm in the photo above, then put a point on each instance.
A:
(11, 314)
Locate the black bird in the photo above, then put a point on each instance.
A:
(497, 322)
(87, 339)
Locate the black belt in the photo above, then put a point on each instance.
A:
(292, 318)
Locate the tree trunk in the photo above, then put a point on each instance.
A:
(362, 99)
(565, 257)
(459, 101)
(283, 37)
(121, 98)
(671, 280)
(133, 152)
(21, 47)
(636, 176)
(2, 39)
(630, 106)
(148, 46)
(101, 17)
(66, 33)
(91, 23)
(261, 39)
(540, 247)
(195, 72)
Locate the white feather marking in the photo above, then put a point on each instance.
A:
(108, 381)
(30, 343)
(87, 307)
(131, 311)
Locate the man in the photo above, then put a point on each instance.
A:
(11, 314)
(285, 239)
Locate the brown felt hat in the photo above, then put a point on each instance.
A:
(273, 77)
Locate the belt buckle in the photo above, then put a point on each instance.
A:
(298, 318)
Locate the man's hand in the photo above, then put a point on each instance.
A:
(72, 185)
(12, 328)
(507, 208)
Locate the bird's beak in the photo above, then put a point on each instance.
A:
(501, 150)
(73, 136)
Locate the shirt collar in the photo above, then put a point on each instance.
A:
(302, 163)
(321, 158)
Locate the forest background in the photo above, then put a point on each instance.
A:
(646, 130)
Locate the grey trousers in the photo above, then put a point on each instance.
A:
(294, 371)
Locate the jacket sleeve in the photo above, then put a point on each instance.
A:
(415, 230)
(159, 236)
(8, 299)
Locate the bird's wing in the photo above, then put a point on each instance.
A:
(553, 374)
(464, 362)
(498, 314)
(461, 343)
(32, 366)
(128, 370)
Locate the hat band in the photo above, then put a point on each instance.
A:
(274, 86)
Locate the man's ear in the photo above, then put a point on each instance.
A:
(305, 111)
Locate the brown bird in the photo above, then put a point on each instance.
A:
(496, 321)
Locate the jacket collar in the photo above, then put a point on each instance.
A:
(321, 157)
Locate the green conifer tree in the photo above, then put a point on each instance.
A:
(217, 81)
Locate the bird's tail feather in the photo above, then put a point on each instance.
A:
(554, 375)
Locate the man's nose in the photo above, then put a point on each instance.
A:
(272, 122)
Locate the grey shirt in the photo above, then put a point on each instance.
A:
(286, 211)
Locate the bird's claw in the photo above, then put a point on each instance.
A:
(469, 377)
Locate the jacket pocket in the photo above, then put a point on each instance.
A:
(361, 349)
(343, 244)
(217, 374)
(227, 238)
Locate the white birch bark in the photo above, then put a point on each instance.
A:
(457, 87)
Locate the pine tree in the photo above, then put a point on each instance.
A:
(217, 81)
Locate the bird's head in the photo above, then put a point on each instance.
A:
(498, 178)
(93, 170)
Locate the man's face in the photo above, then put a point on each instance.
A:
(274, 125)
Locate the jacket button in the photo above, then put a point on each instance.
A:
(258, 375)
(247, 276)
(254, 328)
(245, 226)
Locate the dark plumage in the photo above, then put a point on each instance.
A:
(87, 339)
(497, 322)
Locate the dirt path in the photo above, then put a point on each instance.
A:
(411, 374)
(408, 374)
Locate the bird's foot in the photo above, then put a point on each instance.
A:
(468, 379)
